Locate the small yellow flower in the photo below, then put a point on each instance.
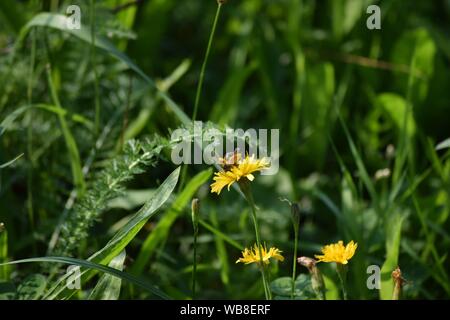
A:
(336, 252)
(252, 255)
(235, 171)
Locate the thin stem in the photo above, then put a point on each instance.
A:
(205, 62)
(30, 132)
(96, 85)
(342, 273)
(258, 243)
(294, 263)
(125, 115)
(245, 187)
(200, 84)
(194, 268)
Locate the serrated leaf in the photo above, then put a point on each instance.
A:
(32, 288)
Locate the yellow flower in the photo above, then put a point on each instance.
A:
(252, 255)
(236, 171)
(336, 252)
(222, 179)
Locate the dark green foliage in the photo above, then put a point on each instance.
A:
(85, 142)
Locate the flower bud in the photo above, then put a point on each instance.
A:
(195, 207)
(399, 282)
(317, 283)
(295, 214)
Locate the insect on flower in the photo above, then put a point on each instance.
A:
(230, 160)
(236, 169)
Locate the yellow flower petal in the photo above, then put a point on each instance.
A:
(252, 255)
(222, 179)
(249, 165)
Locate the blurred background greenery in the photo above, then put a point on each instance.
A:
(361, 114)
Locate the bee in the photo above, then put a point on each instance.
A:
(230, 159)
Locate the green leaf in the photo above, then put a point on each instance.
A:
(282, 288)
(71, 144)
(108, 287)
(32, 288)
(351, 10)
(221, 251)
(443, 145)
(131, 199)
(10, 162)
(396, 108)
(6, 124)
(417, 50)
(162, 229)
(393, 237)
(59, 22)
(4, 270)
(221, 235)
(130, 230)
(366, 179)
(316, 113)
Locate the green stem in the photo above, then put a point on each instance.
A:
(258, 243)
(294, 263)
(205, 62)
(342, 273)
(96, 85)
(245, 187)
(194, 268)
(200, 84)
(30, 132)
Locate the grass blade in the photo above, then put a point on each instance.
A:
(95, 266)
(108, 287)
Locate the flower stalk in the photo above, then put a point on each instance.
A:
(317, 283)
(195, 206)
(342, 274)
(295, 213)
(246, 190)
(205, 61)
(340, 254)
